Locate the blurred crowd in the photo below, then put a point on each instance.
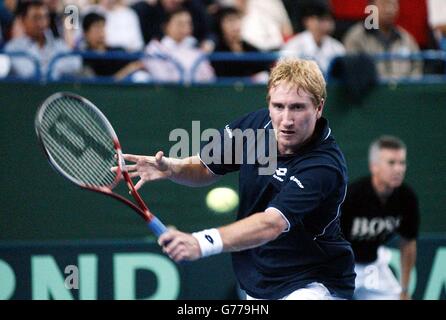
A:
(169, 40)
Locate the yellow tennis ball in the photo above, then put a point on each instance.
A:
(222, 199)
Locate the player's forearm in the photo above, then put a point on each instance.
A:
(408, 258)
(252, 231)
(190, 172)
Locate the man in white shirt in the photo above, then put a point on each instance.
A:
(122, 27)
(266, 24)
(437, 20)
(39, 43)
(315, 43)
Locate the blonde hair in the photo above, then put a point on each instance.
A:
(304, 74)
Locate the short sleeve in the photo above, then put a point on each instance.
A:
(218, 148)
(305, 191)
(347, 212)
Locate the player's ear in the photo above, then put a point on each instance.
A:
(320, 108)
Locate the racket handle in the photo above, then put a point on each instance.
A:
(156, 226)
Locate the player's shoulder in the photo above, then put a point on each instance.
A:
(261, 115)
(258, 119)
(325, 155)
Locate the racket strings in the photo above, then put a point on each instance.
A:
(89, 154)
(67, 163)
(78, 141)
(99, 134)
(86, 173)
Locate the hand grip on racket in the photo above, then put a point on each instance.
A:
(81, 145)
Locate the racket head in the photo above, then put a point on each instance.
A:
(79, 141)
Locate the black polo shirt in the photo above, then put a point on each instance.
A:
(308, 189)
(368, 223)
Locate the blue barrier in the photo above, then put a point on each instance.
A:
(214, 57)
(21, 54)
(112, 55)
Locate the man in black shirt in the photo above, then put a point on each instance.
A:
(376, 208)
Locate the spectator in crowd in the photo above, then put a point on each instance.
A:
(63, 23)
(295, 8)
(437, 20)
(315, 42)
(266, 24)
(93, 26)
(122, 27)
(178, 46)
(412, 17)
(38, 42)
(153, 14)
(56, 14)
(7, 9)
(388, 38)
(229, 39)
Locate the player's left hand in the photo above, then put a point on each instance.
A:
(180, 246)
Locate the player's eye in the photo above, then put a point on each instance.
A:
(297, 106)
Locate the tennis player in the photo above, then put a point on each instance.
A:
(286, 242)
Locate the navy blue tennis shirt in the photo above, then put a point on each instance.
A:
(308, 188)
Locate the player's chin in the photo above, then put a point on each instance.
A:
(396, 182)
(289, 143)
(288, 140)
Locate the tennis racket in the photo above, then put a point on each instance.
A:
(82, 146)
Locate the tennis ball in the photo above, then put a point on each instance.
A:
(222, 199)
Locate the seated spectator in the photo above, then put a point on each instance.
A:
(266, 24)
(437, 21)
(122, 28)
(153, 14)
(7, 9)
(178, 45)
(38, 42)
(229, 39)
(57, 17)
(315, 42)
(93, 26)
(388, 38)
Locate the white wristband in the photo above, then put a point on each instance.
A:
(210, 242)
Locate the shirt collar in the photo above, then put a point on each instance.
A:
(49, 38)
(321, 133)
